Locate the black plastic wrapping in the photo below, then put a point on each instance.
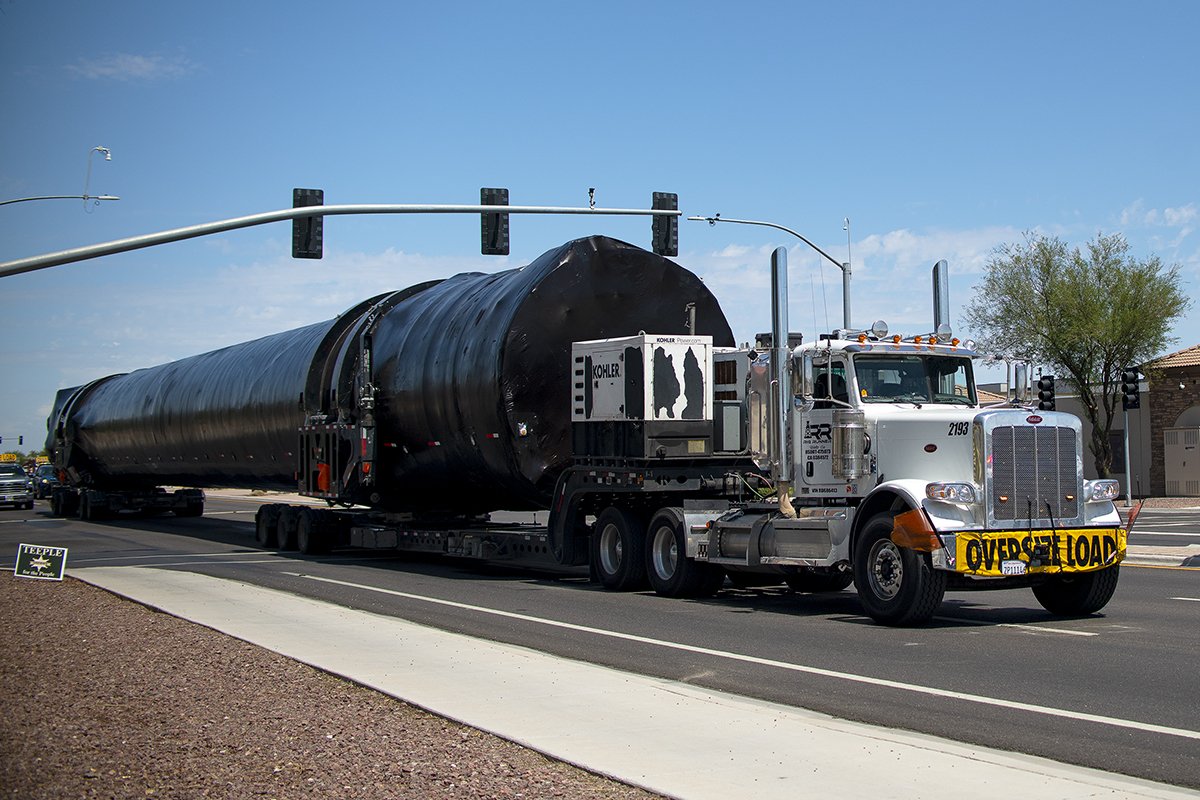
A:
(472, 377)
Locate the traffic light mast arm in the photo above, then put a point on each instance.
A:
(179, 234)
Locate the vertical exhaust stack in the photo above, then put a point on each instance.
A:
(941, 295)
(780, 458)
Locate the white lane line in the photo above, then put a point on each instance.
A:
(166, 555)
(1040, 629)
(828, 673)
(203, 563)
(1192, 599)
(1137, 534)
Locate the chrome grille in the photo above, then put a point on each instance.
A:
(1034, 474)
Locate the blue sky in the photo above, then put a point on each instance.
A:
(941, 130)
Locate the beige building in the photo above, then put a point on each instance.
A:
(1164, 433)
(1175, 423)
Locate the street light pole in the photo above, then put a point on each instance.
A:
(61, 197)
(843, 266)
(88, 178)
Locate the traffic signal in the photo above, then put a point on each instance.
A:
(20, 440)
(494, 227)
(1046, 393)
(1129, 389)
(308, 233)
(664, 230)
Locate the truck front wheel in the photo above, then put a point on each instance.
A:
(897, 586)
(1080, 594)
(617, 545)
(671, 572)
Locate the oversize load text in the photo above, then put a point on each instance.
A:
(1072, 551)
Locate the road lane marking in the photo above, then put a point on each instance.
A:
(1040, 629)
(827, 673)
(1193, 599)
(169, 555)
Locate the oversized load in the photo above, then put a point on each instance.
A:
(460, 388)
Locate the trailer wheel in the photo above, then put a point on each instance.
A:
(285, 527)
(617, 544)
(671, 572)
(56, 504)
(897, 586)
(312, 532)
(1080, 594)
(89, 511)
(265, 520)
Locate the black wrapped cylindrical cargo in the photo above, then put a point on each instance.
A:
(466, 381)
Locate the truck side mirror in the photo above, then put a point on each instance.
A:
(804, 376)
(1020, 382)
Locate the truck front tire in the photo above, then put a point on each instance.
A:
(617, 545)
(671, 572)
(1079, 594)
(897, 586)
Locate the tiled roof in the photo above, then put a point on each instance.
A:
(989, 397)
(1189, 357)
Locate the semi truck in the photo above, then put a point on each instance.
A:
(601, 386)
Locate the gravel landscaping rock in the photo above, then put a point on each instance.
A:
(106, 698)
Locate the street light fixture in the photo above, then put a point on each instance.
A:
(85, 197)
(87, 180)
(843, 266)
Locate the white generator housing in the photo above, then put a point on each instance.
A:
(643, 378)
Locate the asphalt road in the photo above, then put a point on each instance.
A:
(1116, 691)
(1166, 527)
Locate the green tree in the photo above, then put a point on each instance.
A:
(1086, 314)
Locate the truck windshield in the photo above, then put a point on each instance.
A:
(914, 379)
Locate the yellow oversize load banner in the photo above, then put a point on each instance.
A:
(1034, 552)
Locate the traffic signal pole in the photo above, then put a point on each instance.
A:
(32, 263)
(1128, 476)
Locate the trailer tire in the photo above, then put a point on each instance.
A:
(88, 510)
(70, 504)
(617, 545)
(265, 520)
(896, 586)
(818, 582)
(56, 504)
(1080, 594)
(285, 527)
(671, 572)
(312, 532)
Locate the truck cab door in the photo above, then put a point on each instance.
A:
(814, 429)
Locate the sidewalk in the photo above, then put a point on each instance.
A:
(671, 738)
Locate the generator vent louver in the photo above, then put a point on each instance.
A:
(1034, 467)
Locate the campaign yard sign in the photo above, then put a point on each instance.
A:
(40, 562)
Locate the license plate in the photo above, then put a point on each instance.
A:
(1021, 552)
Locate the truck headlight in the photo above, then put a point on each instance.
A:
(1099, 491)
(950, 492)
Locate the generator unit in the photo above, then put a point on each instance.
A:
(644, 396)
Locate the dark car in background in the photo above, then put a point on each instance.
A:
(45, 478)
(15, 488)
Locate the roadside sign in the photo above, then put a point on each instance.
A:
(40, 562)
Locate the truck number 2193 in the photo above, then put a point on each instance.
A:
(959, 428)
